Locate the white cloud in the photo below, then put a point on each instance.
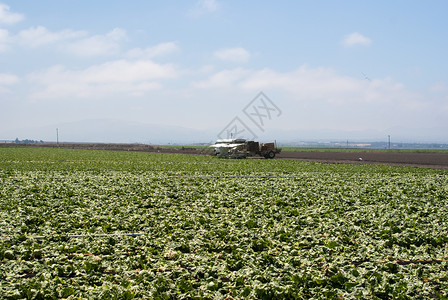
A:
(355, 39)
(321, 85)
(98, 44)
(75, 42)
(4, 39)
(223, 79)
(150, 52)
(233, 54)
(209, 5)
(6, 17)
(310, 83)
(438, 87)
(321, 97)
(324, 85)
(108, 79)
(206, 68)
(38, 36)
(7, 80)
(203, 7)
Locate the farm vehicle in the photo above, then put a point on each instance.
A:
(240, 148)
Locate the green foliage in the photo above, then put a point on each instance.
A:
(214, 228)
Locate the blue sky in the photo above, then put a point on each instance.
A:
(335, 69)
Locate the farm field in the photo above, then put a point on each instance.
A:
(81, 224)
(417, 158)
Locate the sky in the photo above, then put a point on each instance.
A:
(139, 71)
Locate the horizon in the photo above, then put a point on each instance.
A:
(317, 143)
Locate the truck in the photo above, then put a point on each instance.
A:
(241, 148)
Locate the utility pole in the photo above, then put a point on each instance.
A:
(57, 136)
(389, 140)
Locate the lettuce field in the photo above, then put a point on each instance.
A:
(121, 225)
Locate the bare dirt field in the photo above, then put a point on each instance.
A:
(437, 160)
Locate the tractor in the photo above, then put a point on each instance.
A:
(240, 148)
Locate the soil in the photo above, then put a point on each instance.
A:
(438, 160)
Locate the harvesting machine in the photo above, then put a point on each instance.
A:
(240, 148)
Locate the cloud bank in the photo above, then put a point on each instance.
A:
(132, 78)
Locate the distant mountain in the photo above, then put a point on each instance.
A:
(113, 131)
(119, 131)
(397, 135)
